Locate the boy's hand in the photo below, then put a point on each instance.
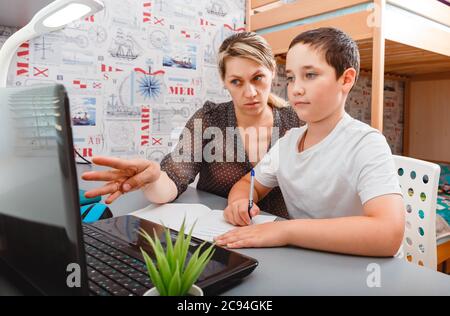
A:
(272, 234)
(236, 212)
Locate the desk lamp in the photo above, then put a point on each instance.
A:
(51, 18)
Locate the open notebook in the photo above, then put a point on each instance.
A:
(210, 223)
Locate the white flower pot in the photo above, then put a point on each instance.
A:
(193, 291)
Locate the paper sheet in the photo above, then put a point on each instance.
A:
(210, 223)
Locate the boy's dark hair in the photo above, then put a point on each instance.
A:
(341, 51)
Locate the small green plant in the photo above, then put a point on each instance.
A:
(172, 275)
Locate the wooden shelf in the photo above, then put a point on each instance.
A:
(400, 60)
(404, 60)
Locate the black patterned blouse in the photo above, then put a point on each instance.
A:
(218, 176)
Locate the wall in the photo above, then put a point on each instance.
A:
(129, 97)
(135, 72)
(429, 119)
(5, 32)
(358, 106)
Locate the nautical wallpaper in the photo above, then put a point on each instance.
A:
(136, 71)
(358, 106)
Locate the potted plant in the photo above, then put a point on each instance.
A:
(172, 274)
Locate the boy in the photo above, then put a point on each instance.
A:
(337, 174)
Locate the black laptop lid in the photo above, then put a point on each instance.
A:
(40, 224)
(39, 211)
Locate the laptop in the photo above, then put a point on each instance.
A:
(44, 247)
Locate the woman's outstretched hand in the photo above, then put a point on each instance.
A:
(124, 176)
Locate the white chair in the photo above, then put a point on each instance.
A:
(419, 182)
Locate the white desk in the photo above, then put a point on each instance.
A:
(294, 271)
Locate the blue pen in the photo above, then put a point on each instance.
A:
(250, 199)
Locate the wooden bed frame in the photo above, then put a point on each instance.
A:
(402, 39)
(393, 35)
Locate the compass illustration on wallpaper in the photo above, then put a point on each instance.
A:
(155, 155)
(98, 34)
(149, 87)
(158, 39)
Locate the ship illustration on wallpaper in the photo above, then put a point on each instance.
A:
(217, 9)
(183, 61)
(182, 57)
(116, 108)
(84, 112)
(124, 47)
(82, 119)
(179, 61)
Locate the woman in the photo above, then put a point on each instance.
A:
(221, 142)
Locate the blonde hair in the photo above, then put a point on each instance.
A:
(254, 47)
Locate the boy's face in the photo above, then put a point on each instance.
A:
(313, 90)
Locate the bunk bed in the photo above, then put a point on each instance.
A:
(399, 38)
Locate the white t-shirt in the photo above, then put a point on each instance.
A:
(333, 178)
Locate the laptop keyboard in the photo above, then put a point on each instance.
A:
(112, 271)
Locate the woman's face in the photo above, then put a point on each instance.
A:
(249, 84)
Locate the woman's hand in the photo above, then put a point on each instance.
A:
(124, 176)
(262, 235)
(236, 212)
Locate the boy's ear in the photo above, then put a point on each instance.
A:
(348, 79)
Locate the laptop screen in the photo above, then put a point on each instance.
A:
(39, 214)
